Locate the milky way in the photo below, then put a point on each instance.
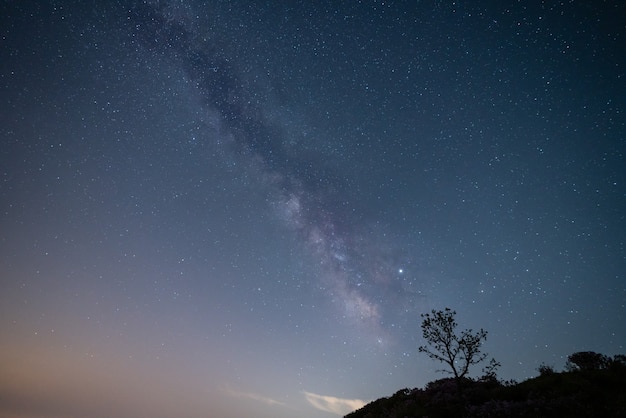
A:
(307, 196)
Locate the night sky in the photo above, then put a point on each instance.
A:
(236, 209)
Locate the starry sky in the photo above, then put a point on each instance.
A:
(241, 208)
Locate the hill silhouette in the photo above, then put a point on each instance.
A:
(580, 391)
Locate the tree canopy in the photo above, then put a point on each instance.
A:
(459, 351)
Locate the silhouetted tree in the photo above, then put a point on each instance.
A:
(586, 360)
(457, 351)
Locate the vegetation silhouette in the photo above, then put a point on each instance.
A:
(458, 350)
(587, 360)
(592, 384)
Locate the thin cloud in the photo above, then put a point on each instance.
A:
(253, 396)
(339, 406)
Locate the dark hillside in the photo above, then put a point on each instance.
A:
(579, 393)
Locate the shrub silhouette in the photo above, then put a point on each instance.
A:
(587, 360)
(545, 370)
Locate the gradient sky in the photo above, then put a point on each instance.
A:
(241, 208)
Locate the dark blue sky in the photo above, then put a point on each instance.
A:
(241, 209)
